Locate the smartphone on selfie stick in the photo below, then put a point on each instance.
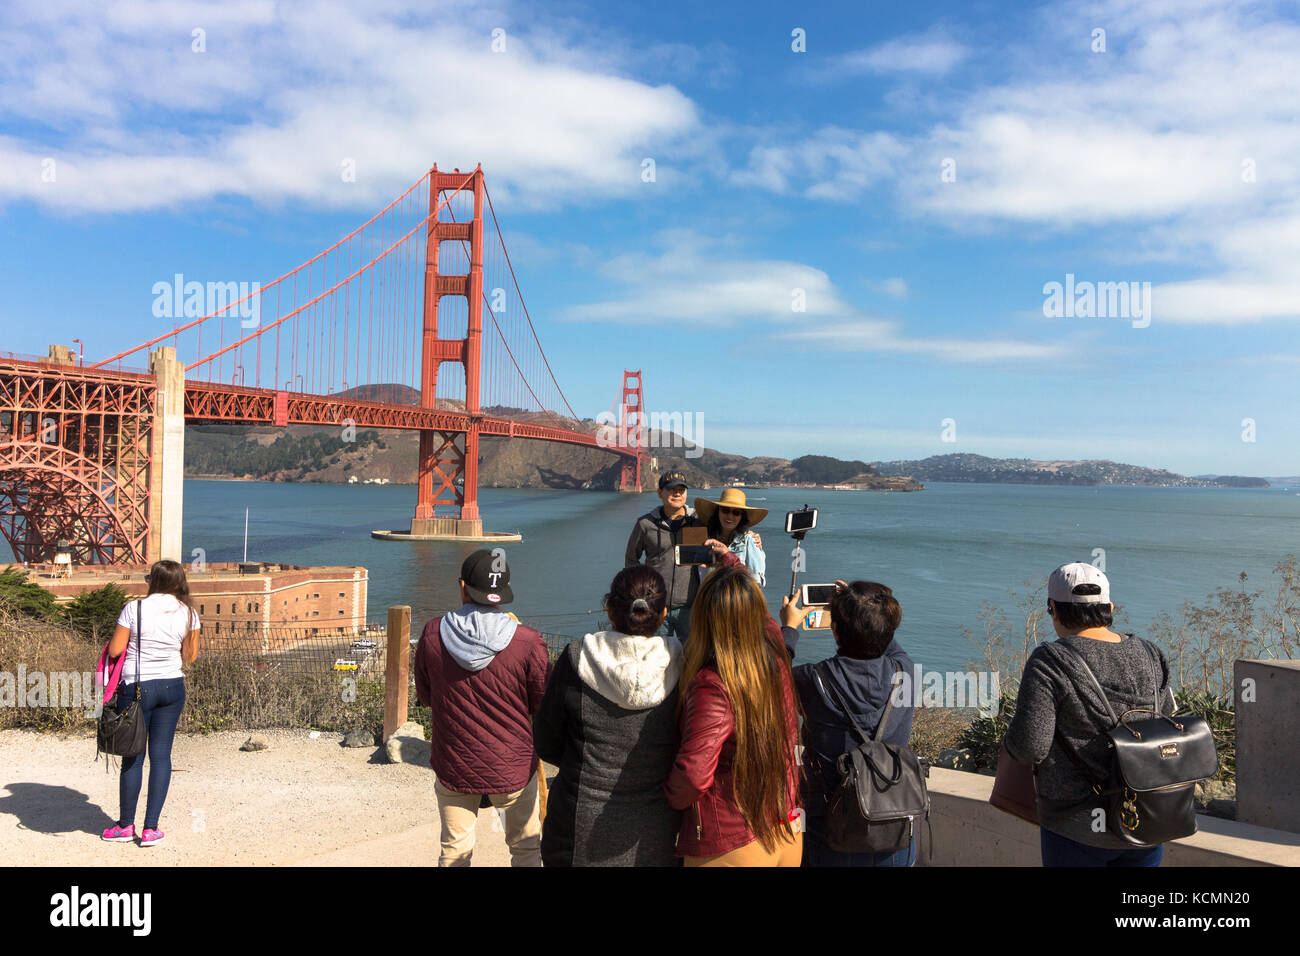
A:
(797, 524)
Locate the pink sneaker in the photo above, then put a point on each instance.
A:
(117, 834)
(150, 837)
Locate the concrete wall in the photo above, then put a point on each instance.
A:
(167, 473)
(969, 832)
(1267, 698)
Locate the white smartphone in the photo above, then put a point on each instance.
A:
(817, 595)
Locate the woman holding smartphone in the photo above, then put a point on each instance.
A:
(729, 520)
(160, 634)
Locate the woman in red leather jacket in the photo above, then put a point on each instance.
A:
(736, 776)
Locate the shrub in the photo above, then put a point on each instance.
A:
(46, 648)
(936, 729)
(984, 735)
(20, 597)
(93, 614)
(1218, 713)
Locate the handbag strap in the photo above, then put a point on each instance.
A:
(1066, 746)
(1096, 683)
(139, 636)
(1153, 653)
(889, 703)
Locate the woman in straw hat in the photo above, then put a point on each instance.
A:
(730, 521)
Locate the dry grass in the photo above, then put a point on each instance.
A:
(234, 694)
(935, 729)
(48, 649)
(223, 692)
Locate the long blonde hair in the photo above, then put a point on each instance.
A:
(728, 624)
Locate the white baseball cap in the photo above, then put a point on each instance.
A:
(1065, 579)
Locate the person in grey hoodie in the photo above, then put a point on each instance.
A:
(608, 721)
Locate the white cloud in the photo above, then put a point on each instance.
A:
(1259, 281)
(135, 119)
(1187, 127)
(932, 53)
(688, 282)
(894, 286)
(831, 164)
(879, 335)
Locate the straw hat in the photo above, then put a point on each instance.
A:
(731, 498)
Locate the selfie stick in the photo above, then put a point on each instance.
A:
(798, 536)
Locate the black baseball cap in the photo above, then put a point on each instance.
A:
(668, 479)
(487, 577)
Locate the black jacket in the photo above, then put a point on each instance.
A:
(614, 748)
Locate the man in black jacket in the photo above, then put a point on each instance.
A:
(655, 535)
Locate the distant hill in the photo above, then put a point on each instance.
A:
(978, 468)
(392, 394)
(322, 454)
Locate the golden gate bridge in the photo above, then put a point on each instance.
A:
(411, 303)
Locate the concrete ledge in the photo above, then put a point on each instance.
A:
(498, 536)
(969, 832)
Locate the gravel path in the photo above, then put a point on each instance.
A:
(304, 801)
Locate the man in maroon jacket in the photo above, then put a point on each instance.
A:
(483, 674)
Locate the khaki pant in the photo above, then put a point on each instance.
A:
(459, 815)
(788, 852)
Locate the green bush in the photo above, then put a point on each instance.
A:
(93, 614)
(1218, 713)
(984, 735)
(24, 598)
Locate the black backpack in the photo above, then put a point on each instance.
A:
(881, 794)
(1154, 764)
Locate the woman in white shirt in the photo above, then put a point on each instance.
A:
(159, 633)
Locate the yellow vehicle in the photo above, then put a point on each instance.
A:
(345, 665)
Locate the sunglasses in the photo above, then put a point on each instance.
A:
(731, 511)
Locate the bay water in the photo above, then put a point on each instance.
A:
(944, 551)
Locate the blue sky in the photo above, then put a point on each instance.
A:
(1164, 151)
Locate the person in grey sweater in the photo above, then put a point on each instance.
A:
(608, 720)
(1060, 725)
(655, 534)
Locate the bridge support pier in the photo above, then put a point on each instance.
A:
(167, 470)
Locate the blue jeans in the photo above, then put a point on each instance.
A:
(815, 853)
(677, 623)
(160, 708)
(1062, 851)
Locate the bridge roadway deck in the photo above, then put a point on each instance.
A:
(213, 402)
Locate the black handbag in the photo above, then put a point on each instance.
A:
(122, 731)
(1155, 764)
(881, 794)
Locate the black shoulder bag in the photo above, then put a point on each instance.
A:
(881, 794)
(122, 730)
(1155, 763)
